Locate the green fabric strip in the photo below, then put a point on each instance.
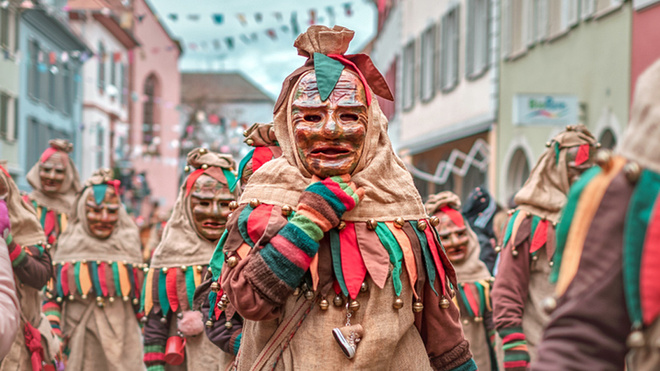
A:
(144, 289)
(426, 254)
(567, 215)
(535, 223)
(237, 343)
(154, 349)
(242, 224)
(461, 291)
(396, 254)
(94, 274)
(509, 228)
(99, 192)
(509, 330)
(115, 276)
(514, 344)
(76, 273)
(335, 249)
(162, 293)
(557, 150)
(231, 179)
(516, 355)
(42, 220)
(482, 299)
(637, 220)
(470, 365)
(328, 71)
(241, 165)
(19, 259)
(218, 258)
(190, 284)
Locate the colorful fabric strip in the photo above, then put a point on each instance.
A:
(426, 254)
(408, 255)
(190, 284)
(170, 287)
(242, 224)
(147, 292)
(335, 249)
(396, 255)
(84, 279)
(351, 258)
(162, 292)
(649, 275)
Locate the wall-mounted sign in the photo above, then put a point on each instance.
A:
(545, 109)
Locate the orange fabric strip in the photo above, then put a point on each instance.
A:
(124, 281)
(85, 279)
(314, 271)
(148, 294)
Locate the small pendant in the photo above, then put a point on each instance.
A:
(348, 338)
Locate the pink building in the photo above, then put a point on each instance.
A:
(154, 119)
(645, 38)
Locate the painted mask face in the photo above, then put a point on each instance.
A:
(453, 238)
(52, 172)
(102, 219)
(574, 171)
(329, 136)
(209, 203)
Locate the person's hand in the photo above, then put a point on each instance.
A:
(325, 201)
(5, 225)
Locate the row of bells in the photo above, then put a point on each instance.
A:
(100, 300)
(84, 261)
(184, 268)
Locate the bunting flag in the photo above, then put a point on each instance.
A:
(173, 17)
(271, 33)
(582, 155)
(312, 17)
(217, 18)
(258, 17)
(295, 29)
(241, 18)
(194, 17)
(216, 44)
(348, 10)
(230, 42)
(278, 16)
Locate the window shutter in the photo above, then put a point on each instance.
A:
(471, 36)
(573, 13)
(505, 40)
(530, 20)
(587, 7)
(455, 44)
(542, 20)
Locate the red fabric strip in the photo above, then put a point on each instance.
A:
(47, 153)
(104, 285)
(192, 178)
(582, 155)
(516, 336)
(335, 285)
(469, 295)
(346, 62)
(170, 286)
(514, 364)
(49, 223)
(292, 252)
(454, 215)
(258, 221)
(260, 156)
(540, 236)
(33, 343)
(217, 309)
(16, 252)
(352, 264)
(154, 357)
(65, 278)
(347, 200)
(436, 257)
(138, 284)
(649, 274)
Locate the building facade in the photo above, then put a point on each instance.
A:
(645, 38)
(445, 89)
(154, 86)
(562, 63)
(50, 94)
(105, 83)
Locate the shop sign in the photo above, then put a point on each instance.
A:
(545, 109)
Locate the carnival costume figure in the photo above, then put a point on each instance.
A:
(529, 244)
(173, 333)
(330, 257)
(607, 296)
(99, 274)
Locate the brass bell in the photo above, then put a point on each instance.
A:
(498, 249)
(111, 299)
(342, 225)
(286, 210)
(354, 305)
(249, 141)
(554, 224)
(246, 133)
(145, 269)
(228, 325)
(548, 144)
(309, 295)
(372, 224)
(364, 287)
(632, 171)
(338, 301)
(124, 298)
(635, 339)
(186, 169)
(465, 322)
(233, 205)
(418, 307)
(84, 296)
(209, 323)
(184, 268)
(202, 150)
(434, 221)
(514, 253)
(478, 319)
(399, 222)
(205, 166)
(144, 319)
(165, 270)
(199, 268)
(136, 301)
(49, 246)
(215, 287)
(569, 128)
(296, 291)
(535, 257)
(99, 302)
(604, 158)
(444, 303)
(59, 299)
(324, 304)
(163, 319)
(232, 261)
(549, 304)
(71, 297)
(398, 303)
(551, 263)
(254, 203)
(421, 225)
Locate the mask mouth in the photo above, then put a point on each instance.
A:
(213, 224)
(330, 151)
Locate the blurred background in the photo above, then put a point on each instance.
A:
(479, 85)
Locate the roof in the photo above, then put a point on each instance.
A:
(220, 87)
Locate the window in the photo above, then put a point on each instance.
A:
(44, 76)
(518, 172)
(517, 32)
(150, 125)
(409, 76)
(101, 68)
(427, 78)
(587, 8)
(389, 107)
(6, 116)
(33, 72)
(476, 51)
(123, 89)
(608, 139)
(449, 50)
(67, 89)
(52, 77)
(113, 71)
(100, 141)
(5, 27)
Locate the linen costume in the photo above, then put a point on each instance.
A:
(98, 283)
(474, 283)
(282, 269)
(53, 209)
(606, 315)
(34, 344)
(177, 268)
(528, 248)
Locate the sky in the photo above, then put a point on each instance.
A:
(203, 27)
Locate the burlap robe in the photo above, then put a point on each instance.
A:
(182, 245)
(27, 231)
(106, 338)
